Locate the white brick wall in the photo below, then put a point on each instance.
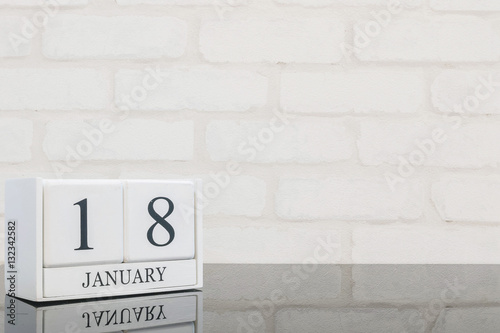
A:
(133, 37)
(53, 89)
(348, 198)
(467, 199)
(465, 5)
(426, 245)
(303, 117)
(38, 3)
(282, 140)
(437, 142)
(360, 91)
(10, 44)
(319, 3)
(16, 139)
(426, 39)
(131, 139)
(302, 41)
(473, 92)
(202, 89)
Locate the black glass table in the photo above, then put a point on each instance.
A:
(291, 298)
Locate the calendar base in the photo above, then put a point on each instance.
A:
(118, 279)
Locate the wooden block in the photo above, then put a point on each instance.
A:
(67, 239)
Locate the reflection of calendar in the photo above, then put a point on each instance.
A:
(165, 313)
(94, 238)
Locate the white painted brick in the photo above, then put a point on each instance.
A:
(12, 41)
(466, 320)
(202, 89)
(43, 3)
(361, 91)
(244, 196)
(320, 3)
(426, 245)
(467, 199)
(179, 2)
(131, 139)
(287, 41)
(470, 5)
(266, 242)
(347, 199)
(233, 321)
(49, 89)
(444, 285)
(303, 141)
(470, 145)
(444, 39)
(16, 138)
(119, 37)
(472, 92)
(390, 320)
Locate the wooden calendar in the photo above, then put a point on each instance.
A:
(70, 239)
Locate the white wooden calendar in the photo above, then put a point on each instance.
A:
(70, 239)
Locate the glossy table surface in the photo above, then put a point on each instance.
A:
(342, 298)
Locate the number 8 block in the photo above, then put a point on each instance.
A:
(71, 239)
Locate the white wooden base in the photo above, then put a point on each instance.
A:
(117, 279)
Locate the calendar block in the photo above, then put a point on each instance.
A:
(165, 313)
(70, 239)
(168, 220)
(83, 222)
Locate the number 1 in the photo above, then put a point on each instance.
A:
(83, 225)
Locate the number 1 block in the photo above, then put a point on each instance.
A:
(70, 239)
(83, 222)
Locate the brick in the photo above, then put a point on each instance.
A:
(321, 3)
(476, 319)
(465, 5)
(287, 41)
(277, 140)
(16, 138)
(253, 242)
(295, 285)
(233, 321)
(243, 196)
(426, 245)
(443, 285)
(467, 199)
(201, 89)
(53, 89)
(469, 92)
(12, 40)
(178, 2)
(349, 198)
(347, 320)
(119, 37)
(43, 3)
(360, 91)
(443, 39)
(131, 139)
(411, 144)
